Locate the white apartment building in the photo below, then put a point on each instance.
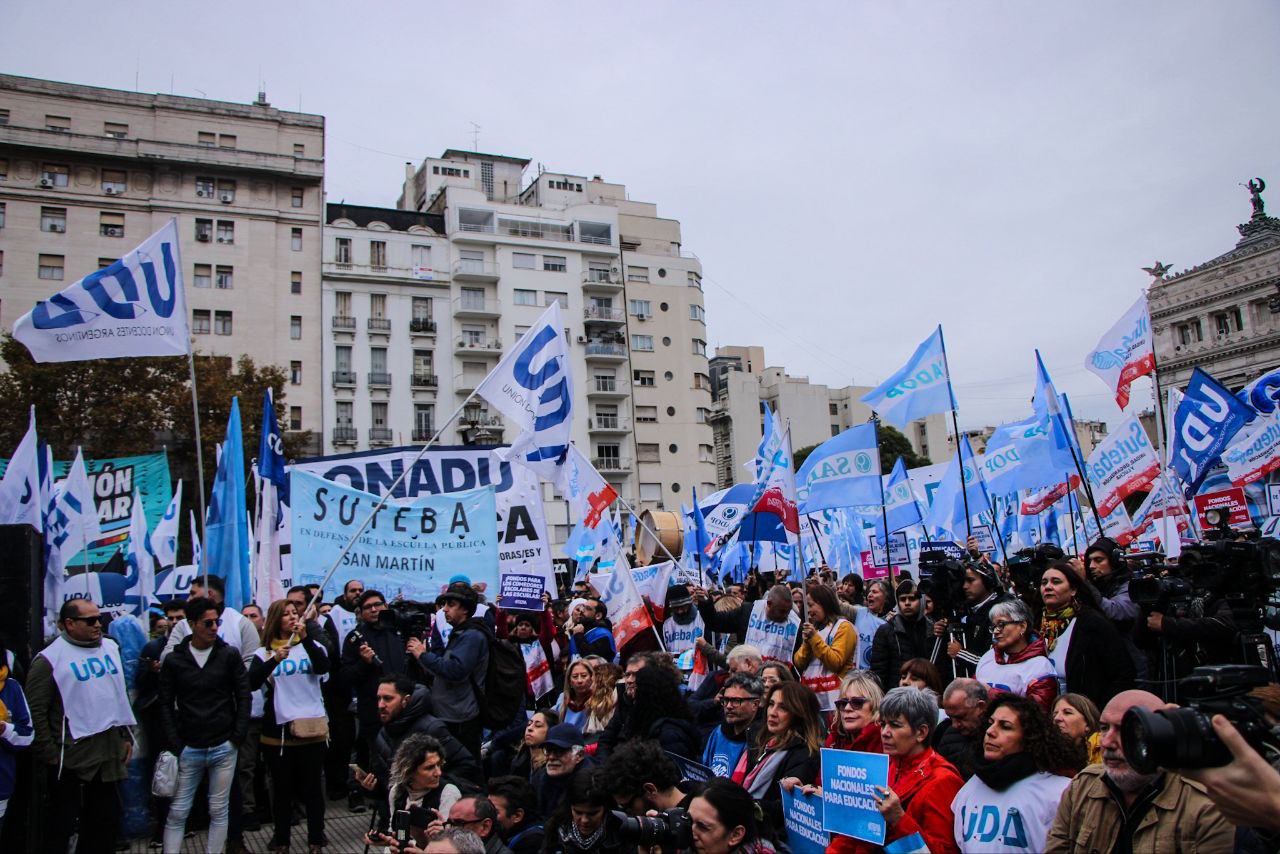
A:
(87, 173)
(420, 302)
(815, 413)
(1089, 435)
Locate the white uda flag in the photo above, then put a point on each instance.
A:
(72, 523)
(134, 307)
(20, 488)
(164, 539)
(533, 387)
(139, 560)
(1124, 353)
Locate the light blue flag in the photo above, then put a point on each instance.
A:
(962, 481)
(226, 524)
(901, 509)
(920, 387)
(1023, 455)
(1053, 412)
(843, 471)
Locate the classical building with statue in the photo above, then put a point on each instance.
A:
(1222, 315)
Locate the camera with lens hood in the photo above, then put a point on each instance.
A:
(1185, 738)
(670, 828)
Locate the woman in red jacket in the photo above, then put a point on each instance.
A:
(917, 804)
(1017, 662)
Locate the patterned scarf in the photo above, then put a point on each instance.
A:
(4, 677)
(1054, 623)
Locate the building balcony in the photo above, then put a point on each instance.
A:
(424, 380)
(379, 325)
(485, 347)
(607, 351)
(472, 307)
(406, 275)
(343, 323)
(344, 435)
(422, 326)
(465, 383)
(604, 281)
(606, 387)
(158, 152)
(379, 379)
(609, 424)
(604, 316)
(344, 378)
(423, 434)
(475, 271)
(614, 465)
(380, 435)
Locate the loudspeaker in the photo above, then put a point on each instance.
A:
(22, 580)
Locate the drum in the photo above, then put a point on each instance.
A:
(658, 527)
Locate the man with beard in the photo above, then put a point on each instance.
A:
(981, 592)
(740, 699)
(404, 708)
(564, 756)
(1112, 807)
(458, 666)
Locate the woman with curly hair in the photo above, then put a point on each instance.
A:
(417, 777)
(585, 822)
(603, 701)
(659, 712)
(1010, 802)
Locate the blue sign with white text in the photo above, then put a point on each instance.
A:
(849, 781)
(802, 815)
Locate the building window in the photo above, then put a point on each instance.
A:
(226, 140)
(472, 299)
(226, 231)
(422, 308)
(1190, 332)
(116, 130)
(1, 263)
(342, 250)
(4, 168)
(702, 414)
(224, 277)
(378, 306)
(342, 358)
(295, 417)
(378, 360)
(299, 149)
(297, 197)
(295, 373)
(549, 297)
(377, 253)
(641, 307)
(642, 342)
(651, 492)
(647, 414)
(706, 454)
(204, 230)
(222, 323)
(524, 297)
(699, 347)
(553, 263)
(207, 139)
(378, 412)
(835, 429)
(205, 188)
(202, 276)
(422, 362)
(697, 312)
(53, 219)
(637, 274)
(58, 123)
(295, 240)
(344, 413)
(473, 336)
(1226, 322)
(226, 190)
(702, 381)
(424, 419)
(295, 282)
(2, 206)
(695, 280)
(53, 175)
(295, 327)
(643, 378)
(832, 409)
(524, 260)
(342, 303)
(51, 267)
(114, 181)
(111, 224)
(4, 117)
(200, 321)
(647, 453)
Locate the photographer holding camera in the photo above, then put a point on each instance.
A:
(1183, 626)
(642, 778)
(982, 591)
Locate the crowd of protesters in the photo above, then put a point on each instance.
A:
(1000, 720)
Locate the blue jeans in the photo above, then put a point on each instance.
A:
(220, 763)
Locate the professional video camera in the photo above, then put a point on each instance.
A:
(1184, 738)
(1026, 567)
(942, 580)
(407, 619)
(671, 829)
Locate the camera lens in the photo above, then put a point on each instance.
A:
(647, 830)
(1170, 738)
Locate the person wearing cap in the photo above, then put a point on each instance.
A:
(459, 665)
(683, 626)
(564, 750)
(982, 591)
(908, 635)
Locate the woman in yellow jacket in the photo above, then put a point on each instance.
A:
(826, 651)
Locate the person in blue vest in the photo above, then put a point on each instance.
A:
(16, 732)
(740, 698)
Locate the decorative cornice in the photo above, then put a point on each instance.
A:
(1204, 357)
(1269, 283)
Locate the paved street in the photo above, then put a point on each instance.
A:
(343, 829)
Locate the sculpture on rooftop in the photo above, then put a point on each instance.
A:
(1256, 186)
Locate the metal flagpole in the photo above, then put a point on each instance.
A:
(1075, 541)
(814, 529)
(195, 411)
(1158, 399)
(884, 511)
(955, 432)
(995, 524)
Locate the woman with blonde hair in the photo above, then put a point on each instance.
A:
(603, 701)
(1077, 717)
(578, 685)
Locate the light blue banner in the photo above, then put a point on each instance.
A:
(802, 815)
(849, 780)
(411, 548)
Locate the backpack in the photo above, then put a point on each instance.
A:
(505, 683)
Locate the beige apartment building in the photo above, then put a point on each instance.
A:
(743, 383)
(87, 173)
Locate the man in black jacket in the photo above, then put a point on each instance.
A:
(204, 706)
(404, 708)
(908, 635)
(982, 590)
(517, 803)
(371, 651)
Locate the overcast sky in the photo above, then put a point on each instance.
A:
(850, 174)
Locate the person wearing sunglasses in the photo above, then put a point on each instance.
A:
(856, 725)
(204, 706)
(81, 716)
(1016, 663)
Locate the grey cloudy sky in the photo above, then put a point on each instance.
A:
(850, 174)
